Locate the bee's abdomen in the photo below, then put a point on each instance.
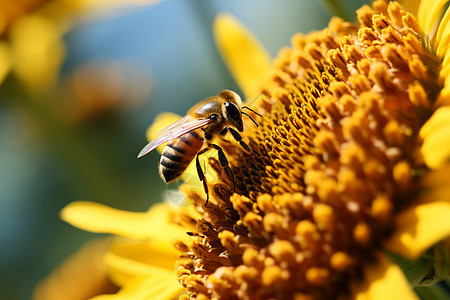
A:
(178, 154)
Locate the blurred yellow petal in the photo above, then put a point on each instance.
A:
(444, 95)
(146, 288)
(244, 55)
(383, 280)
(5, 63)
(37, 51)
(100, 218)
(438, 120)
(101, 5)
(127, 260)
(80, 277)
(436, 135)
(445, 72)
(420, 227)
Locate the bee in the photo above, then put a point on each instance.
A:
(193, 135)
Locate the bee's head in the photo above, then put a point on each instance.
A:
(234, 115)
(232, 109)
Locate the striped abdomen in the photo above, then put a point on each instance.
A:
(178, 154)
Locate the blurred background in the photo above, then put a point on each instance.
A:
(81, 80)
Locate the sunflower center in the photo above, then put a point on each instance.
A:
(335, 158)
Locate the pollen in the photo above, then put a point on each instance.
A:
(334, 159)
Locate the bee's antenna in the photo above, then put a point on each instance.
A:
(246, 107)
(251, 119)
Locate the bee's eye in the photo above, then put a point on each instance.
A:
(232, 111)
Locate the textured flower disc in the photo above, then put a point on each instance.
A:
(336, 156)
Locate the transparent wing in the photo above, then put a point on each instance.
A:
(185, 119)
(174, 131)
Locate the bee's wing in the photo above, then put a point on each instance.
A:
(185, 119)
(174, 131)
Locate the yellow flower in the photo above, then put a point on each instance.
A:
(341, 172)
(352, 161)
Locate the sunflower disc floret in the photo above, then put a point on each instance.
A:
(335, 158)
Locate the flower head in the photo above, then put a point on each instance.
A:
(337, 156)
(347, 162)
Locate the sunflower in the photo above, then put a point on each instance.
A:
(348, 177)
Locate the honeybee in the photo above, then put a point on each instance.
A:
(192, 135)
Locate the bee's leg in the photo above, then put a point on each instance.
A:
(237, 137)
(224, 163)
(223, 133)
(201, 175)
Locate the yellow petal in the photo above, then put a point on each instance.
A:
(100, 218)
(126, 260)
(5, 63)
(383, 280)
(160, 287)
(444, 95)
(445, 71)
(443, 35)
(420, 227)
(80, 277)
(429, 14)
(103, 4)
(37, 50)
(243, 54)
(436, 135)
